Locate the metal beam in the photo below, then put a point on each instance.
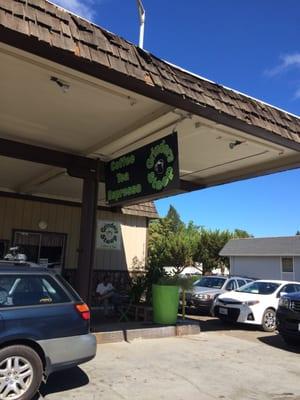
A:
(52, 173)
(139, 124)
(188, 186)
(270, 167)
(30, 185)
(55, 158)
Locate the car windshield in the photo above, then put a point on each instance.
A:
(259, 288)
(211, 282)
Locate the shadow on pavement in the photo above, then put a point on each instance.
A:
(64, 380)
(210, 324)
(277, 342)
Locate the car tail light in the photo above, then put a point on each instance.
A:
(84, 311)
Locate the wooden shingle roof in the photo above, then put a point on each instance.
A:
(144, 210)
(43, 24)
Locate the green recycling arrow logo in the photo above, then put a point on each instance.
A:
(159, 160)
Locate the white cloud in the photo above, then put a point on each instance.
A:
(288, 61)
(297, 94)
(83, 8)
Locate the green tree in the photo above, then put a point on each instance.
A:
(211, 243)
(172, 248)
(174, 219)
(176, 244)
(240, 233)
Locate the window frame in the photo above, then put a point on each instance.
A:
(235, 285)
(240, 279)
(293, 264)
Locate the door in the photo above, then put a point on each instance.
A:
(3, 248)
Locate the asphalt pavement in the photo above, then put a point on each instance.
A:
(222, 362)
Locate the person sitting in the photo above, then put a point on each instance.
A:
(106, 293)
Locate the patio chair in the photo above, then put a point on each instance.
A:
(125, 307)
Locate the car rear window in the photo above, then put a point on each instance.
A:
(27, 290)
(71, 290)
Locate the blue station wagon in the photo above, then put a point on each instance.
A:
(44, 327)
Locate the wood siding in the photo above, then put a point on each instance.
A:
(26, 214)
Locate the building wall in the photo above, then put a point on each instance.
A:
(256, 267)
(26, 214)
(133, 243)
(297, 268)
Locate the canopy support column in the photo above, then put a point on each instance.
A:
(87, 241)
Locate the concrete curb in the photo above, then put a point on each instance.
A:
(128, 335)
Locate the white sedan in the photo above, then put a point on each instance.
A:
(255, 303)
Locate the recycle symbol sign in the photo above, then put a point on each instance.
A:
(108, 233)
(160, 166)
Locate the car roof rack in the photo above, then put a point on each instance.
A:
(16, 263)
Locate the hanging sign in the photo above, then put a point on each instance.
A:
(149, 172)
(108, 235)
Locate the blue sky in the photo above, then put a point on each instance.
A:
(250, 46)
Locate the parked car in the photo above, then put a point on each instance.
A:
(44, 327)
(288, 318)
(206, 289)
(256, 303)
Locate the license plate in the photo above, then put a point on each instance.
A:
(223, 311)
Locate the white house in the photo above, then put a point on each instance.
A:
(265, 258)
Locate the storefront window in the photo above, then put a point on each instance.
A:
(44, 248)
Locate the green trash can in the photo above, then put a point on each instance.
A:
(165, 301)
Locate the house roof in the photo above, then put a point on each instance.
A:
(270, 246)
(47, 28)
(144, 210)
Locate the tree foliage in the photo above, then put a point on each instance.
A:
(174, 243)
(174, 220)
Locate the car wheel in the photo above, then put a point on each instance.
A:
(269, 320)
(21, 372)
(290, 340)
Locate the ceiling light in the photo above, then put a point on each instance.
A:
(232, 145)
